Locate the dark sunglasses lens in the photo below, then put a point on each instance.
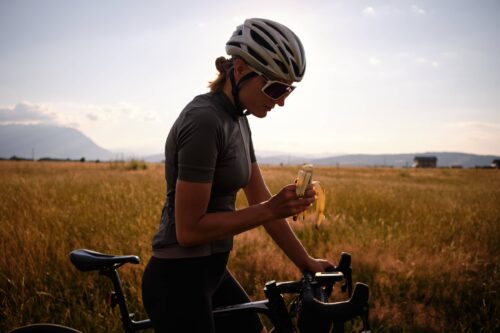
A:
(276, 90)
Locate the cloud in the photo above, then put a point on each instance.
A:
(422, 60)
(26, 113)
(369, 11)
(417, 10)
(100, 115)
(476, 125)
(428, 62)
(150, 116)
(374, 61)
(92, 117)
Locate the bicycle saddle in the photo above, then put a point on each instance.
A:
(88, 260)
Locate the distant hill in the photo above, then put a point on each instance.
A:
(272, 159)
(155, 158)
(48, 141)
(445, 159)
(69, 143)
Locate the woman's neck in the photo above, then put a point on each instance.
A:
(228, 91)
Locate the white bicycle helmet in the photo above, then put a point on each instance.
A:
(270, 48)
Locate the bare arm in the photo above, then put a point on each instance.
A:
(194, 226)
(256, 192)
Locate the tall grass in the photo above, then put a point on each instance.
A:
(426, 241)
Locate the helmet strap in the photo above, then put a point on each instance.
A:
(235, 88)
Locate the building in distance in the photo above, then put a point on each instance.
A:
(425, 162)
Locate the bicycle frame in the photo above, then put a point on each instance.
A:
(273, 307)
(118, 298)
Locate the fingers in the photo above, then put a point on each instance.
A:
(301, 203)
(310, 193)
(286, 203)
(328, 266)
(321, 265)
(291, 188)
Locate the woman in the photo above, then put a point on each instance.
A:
(209, 156)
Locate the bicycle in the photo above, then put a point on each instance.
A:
(309, 310)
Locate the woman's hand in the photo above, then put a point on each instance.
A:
(286, 203)
(314, 265)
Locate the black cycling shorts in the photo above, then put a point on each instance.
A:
(179, 295)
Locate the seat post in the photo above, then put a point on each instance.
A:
(118, 297)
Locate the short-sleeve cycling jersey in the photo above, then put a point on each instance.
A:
(210, 142)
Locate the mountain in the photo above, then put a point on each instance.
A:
(444, 159)
(48, 141)
(155, 158)
(268, 159)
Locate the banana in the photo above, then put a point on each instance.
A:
(304, 179)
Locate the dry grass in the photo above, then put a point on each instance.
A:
(426, 241)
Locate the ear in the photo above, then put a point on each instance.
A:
(240, 69)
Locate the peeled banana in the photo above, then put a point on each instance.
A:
(304, 179)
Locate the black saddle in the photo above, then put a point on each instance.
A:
(88, 260)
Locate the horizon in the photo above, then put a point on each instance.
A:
(385, 77)
(261, 153)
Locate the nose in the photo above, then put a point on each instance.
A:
(281, 101)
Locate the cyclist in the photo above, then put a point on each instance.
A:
(209, 156)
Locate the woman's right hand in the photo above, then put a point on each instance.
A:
(286, 203)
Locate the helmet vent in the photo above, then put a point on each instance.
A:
(257, 56)
(266, 32)
(277, 29)
(261, 41)
(238, 45)
(282, 66)
(288, 48)
(283, 54)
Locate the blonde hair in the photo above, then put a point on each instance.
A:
(223, 65)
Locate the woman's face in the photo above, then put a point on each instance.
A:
(251, 96)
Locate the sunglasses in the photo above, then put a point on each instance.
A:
(275, 89)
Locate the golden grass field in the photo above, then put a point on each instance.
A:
(427, 242)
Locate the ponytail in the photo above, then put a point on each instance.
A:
(223, 65)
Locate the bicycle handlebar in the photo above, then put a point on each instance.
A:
(315, 306)
(315, 289)
(345, 309)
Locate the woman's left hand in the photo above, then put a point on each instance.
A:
(314, 265)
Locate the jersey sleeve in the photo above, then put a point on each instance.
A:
(199, 142)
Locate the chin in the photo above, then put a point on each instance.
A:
(258, 113)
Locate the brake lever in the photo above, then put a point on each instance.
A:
(366, 323)
(344, 266)
(365, 310)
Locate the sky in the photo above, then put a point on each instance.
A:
(382, 76)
